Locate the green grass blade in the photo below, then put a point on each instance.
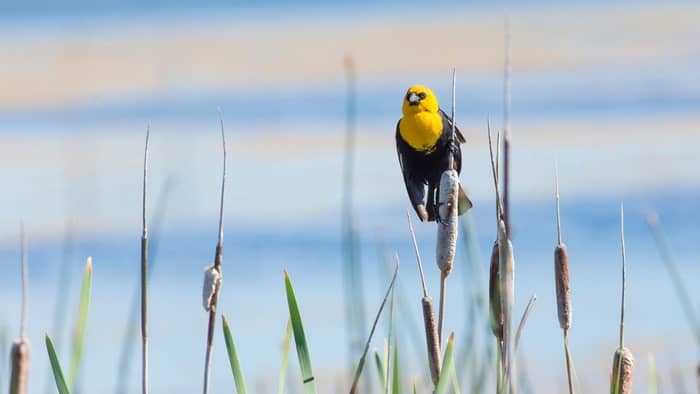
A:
(455, 380)
(81, 323)
(652, 381)
(56, 367)
(447, 366)
(233, 358)
(299, 338)
(380, 370)
(285, 356)
(396, 380)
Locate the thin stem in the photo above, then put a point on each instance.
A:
(415, 247)
(506, 126)
(556, 182)
(569, 368)
(144, 272)
(494, 172)
(672, 268)
(218, 257)
(441, 311)
(25, 282)
(624, 261)
(454, 121)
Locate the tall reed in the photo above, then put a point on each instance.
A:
(623, 361)
(563, 287)
(19, 353)
(213, 274)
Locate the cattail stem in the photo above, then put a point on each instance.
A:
(218, 257)
(144, 272)
(569, 366)
(623, 361)
(431, 332)
(441, 312)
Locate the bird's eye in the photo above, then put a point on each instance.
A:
(421, 95)
(408, 96)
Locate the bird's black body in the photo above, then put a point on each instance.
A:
(421, 169)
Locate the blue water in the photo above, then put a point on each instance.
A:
(253, 298)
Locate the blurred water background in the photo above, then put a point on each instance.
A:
(611, 90)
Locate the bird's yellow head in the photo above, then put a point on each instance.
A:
(419, 98)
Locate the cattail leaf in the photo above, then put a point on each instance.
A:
(447, 365)
(286, 345)
(300, 338)
(81, 323)
(56, 367)
(381, 371)
(233, 358)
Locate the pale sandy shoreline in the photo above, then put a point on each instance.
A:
(62, 68)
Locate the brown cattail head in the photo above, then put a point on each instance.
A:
(431, 337)
(561, 278)
(622, 372)
(495, 315)
(19, 356)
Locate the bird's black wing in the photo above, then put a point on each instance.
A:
(414, 187)
(447, 126)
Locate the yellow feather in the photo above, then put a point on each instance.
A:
(421, 131)
(421, 125)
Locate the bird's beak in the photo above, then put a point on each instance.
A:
(413, 99)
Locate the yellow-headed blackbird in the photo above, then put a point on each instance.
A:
(423, 142)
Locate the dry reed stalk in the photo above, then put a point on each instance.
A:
(506, 125)
(447, 224)
(506, 278)
(144, 273)
(19, 354)
(623, 361)
(213, 275)
(431, 333)
(563, 287)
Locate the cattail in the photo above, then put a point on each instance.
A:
(210, 287)
(561, 275)
(431, 337)
(563, 287)
(447, 228)
(20, 366)
(495, 315)
(622, 372)
(506, 267)
(446, 236)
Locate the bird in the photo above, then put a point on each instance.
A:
(424, 141)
